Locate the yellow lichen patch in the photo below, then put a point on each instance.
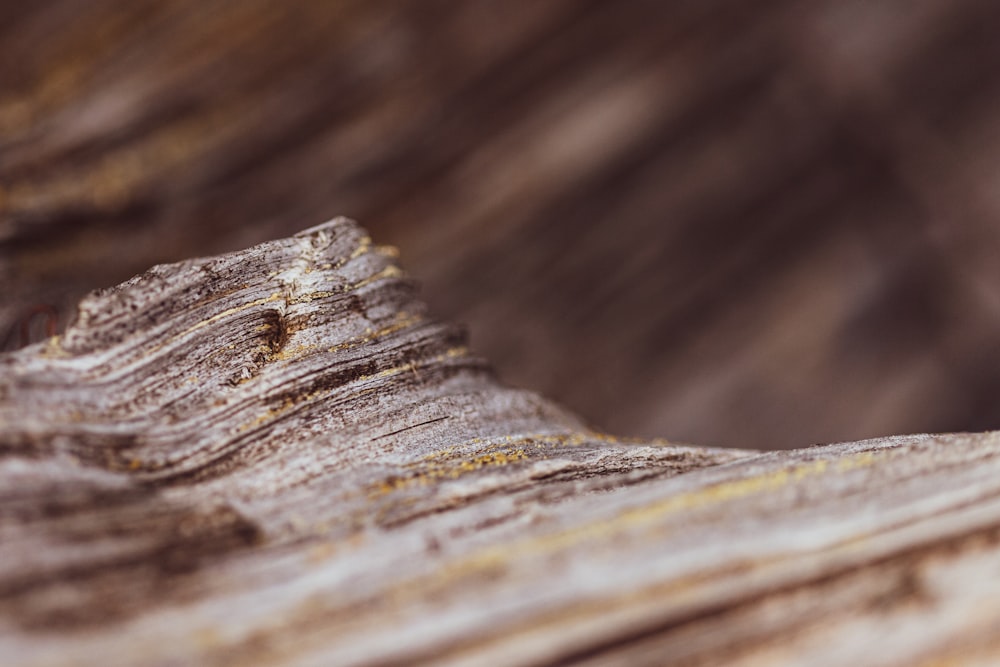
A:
(391, 271)
(391, 484)
(389, 372)
(53, 349)
(364, 245)
(442, 454)
(403, 321)
(424, 474)
(292, 352)
(857, 461)
(313, 296)
(506, 442)
(486, 460)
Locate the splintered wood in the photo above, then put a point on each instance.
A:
(275, 457)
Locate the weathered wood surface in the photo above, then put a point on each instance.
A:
(275, 457)
(766, 223)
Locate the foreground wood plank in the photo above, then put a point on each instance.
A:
(275, 457)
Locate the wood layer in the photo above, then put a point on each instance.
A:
(276, 457)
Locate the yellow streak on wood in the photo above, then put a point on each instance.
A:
(435, 473)
(314, 296)
(275, 296)
(403, 321)
(363, 246)
(645, 515)
(391, 271)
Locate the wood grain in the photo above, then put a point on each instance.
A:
(275, 457)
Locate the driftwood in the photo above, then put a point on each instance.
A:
(275, 457)
(758, 224)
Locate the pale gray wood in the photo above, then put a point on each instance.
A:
(276, 457)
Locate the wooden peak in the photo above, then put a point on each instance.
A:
(275, 456)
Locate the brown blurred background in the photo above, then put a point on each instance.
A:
(760, 224)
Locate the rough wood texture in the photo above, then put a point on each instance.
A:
(766, 223)
(274, 457)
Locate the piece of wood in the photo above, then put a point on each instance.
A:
(275, 457)
(759, 224)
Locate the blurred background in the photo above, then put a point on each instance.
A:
(758, 224)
